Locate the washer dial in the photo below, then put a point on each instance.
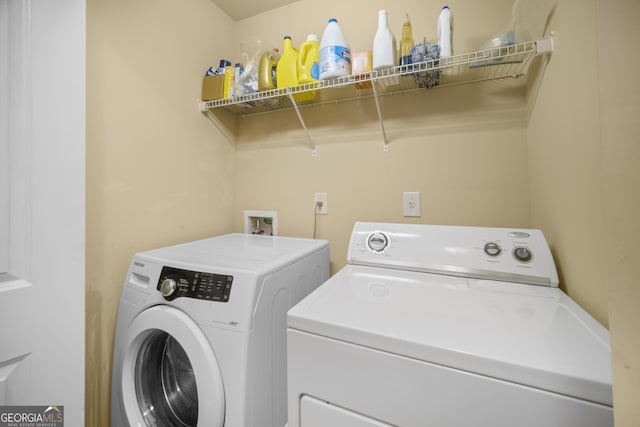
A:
(492, 249)
(168, 287)
(377, 241)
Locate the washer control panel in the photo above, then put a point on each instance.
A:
(175, 283)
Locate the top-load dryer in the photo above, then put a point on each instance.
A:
(450, 327)
(201, 331)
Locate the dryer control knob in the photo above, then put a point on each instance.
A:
(522, 254)
(168, 287)
(492, 249)
(377, 241)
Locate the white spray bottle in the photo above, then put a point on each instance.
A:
(445, 32)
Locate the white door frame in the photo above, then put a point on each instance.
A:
(42, 193)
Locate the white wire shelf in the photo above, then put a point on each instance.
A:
(503, 62)
(497, 63)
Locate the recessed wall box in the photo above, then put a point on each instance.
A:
(261, 222)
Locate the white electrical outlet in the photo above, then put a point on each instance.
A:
(411, 204)
(320, 198)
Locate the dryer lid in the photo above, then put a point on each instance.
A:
(525, 334)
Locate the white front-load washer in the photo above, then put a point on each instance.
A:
(450, 327)
(201, 331)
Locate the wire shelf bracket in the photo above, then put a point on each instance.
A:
(314, 152)
(384, 133)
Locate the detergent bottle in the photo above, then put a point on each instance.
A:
(308, 60)
(267, 69)
(384, 44)
(287, 68)
(308, 67)
(335, 53)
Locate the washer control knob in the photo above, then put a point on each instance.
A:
(168, 287)
(377, 241)
(492, 249)
(522, 254)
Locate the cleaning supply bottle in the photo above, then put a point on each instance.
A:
(308, 60)
(308, 66)
(406, 42)
(445, 32)
(287, 68)
(335, 53)
(267, 69)
(384, 44)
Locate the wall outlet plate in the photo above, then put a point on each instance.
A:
(411, 204)
(322, 198)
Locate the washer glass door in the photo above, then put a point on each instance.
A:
(165, 383)
(170, 375)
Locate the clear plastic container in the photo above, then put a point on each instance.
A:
(513, 34)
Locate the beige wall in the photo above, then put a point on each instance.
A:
(565, 160)
(158, 172)
(583, 157)
(474, 22)
(463, 148)
(555, 155)
(469, 166)
(618, 33)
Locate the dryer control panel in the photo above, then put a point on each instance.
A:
(504, 254)
(175, 283)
